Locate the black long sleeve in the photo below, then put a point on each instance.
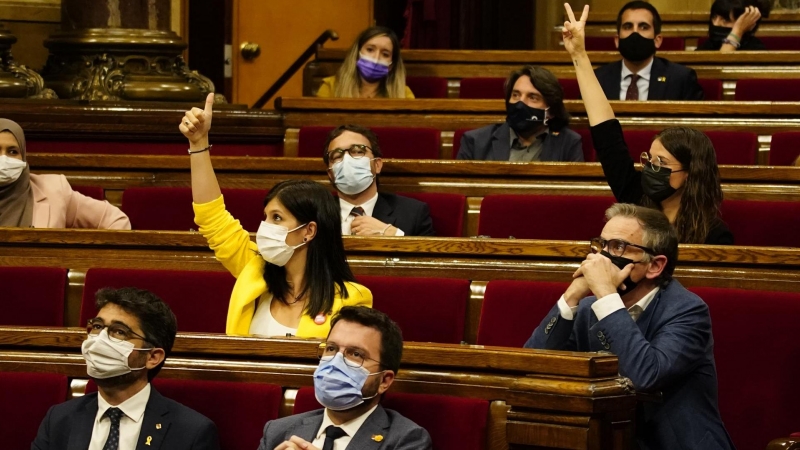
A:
(612, 152)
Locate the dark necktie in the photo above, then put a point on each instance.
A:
(357, 211)
(113, 414)
(633, 89)
(332, 433)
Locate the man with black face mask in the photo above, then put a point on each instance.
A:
(624, 300)
(536, 124)
(641, 75)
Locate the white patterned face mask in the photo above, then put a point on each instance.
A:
(10, 169)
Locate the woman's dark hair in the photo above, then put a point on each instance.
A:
(724, 8)
(391, 336)
(156, 319)
(702, 195)
(326, 265)
(638, 4)
(545, 82)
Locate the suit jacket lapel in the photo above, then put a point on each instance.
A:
(501, 144)
(657, 88)
(81, 434)
(647, 315)
(155, 422)
(377, 424)
(383, 211)
(308, 428)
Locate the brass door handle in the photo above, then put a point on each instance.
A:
(250, 50)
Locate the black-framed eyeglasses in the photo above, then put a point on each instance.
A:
(117, 332)
(656, 164)
(616, 247)
(353, 357)
(355, 151)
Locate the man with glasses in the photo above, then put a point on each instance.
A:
(353, 159)
(125, 347)
(358, 363)
(624, 300)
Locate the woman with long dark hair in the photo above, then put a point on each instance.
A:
(679, 175)
(372, 68)
(295, 276)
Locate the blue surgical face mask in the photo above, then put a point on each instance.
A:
(338, 386)
(353, 175)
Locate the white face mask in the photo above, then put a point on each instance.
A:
(271, 240)
(106, 358)
(10, 169)
(353, 175)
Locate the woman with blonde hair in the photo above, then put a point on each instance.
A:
(373, 68)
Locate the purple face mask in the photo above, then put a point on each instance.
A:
(372, 70)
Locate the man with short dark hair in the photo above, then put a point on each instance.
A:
(353, 159)
(623, 299)
(358, 364)
(125, 348)
(641, 75)
(536, 124)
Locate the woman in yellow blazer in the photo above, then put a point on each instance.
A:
(372, 68)
(295, 277)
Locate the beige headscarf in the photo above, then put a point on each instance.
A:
(16, 199)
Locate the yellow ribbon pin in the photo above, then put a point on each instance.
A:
(377, 437)
(149, 438)
(158, 426)
(662, 79)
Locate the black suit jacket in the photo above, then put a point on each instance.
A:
(668, 81)
(69, 425)
(493, 143)
(408, 214)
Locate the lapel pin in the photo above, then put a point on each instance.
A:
(149, 438)
(158, 426)
(377, 437)
(662, 79)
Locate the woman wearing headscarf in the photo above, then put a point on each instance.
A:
(45, 201)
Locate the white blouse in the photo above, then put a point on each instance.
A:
(264, 324)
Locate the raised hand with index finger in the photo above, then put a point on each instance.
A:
(196, 122)
(573, 33)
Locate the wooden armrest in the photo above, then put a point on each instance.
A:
(787, 443)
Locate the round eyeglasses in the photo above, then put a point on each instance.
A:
(655, 163)
(616, 247)
(117, 332)
(355, 151)
(353, 357)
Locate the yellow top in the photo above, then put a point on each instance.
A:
(328, 86)
(237, 253)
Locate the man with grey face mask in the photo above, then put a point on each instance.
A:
(125, 347)
(353, 159)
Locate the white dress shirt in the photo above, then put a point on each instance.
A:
(643, 83)
(350, 427)
(264, 323)
(129, 425)
(368, 207)
(605, 306)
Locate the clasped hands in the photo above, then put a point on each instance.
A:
(370, 226)
(597, 275)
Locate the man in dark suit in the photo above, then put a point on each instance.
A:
(660, 331)
(641, 75)
(536, 124)
(358, 364)
(126, 346)
(353, 159)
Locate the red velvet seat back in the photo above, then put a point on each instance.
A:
(25, 399)
(198, 299)
(762, 223)
(156, 208)
(427, 87)
(639, 141)
(784, 148)
(396, 142)
(606, 44)
(735, 147)
(425, 309)
(711, 88)
(482, 88)
(95, 192)
(454, 423)
(512, 309)
(758, 393)
(768, 90)
(447, 211)
(148, 148)
(559, 217)
(570, 87)
(32, 296)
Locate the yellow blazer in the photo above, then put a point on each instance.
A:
(237, 253)
(328, 86)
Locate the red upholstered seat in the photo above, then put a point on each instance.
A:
(454, 423)
(512, 309)
(238, 409)
(159, 208)
(95, 192)
(447, 211)
(149, 148)
(606, 44)
(396, 142)
(427, 87)
(198, 299)
(784, 148)
(711, 88)
(758, 393)
(735, 147)
(482, 88)
(25, 399)
(768, 90)
(639, 141)
(32, 296)
(560, 217)
(570, 87)
(425, 309)
(762, 223)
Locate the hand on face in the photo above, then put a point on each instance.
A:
(602, 276)
(197, 122)
(747, 21)
(573, 32)
(296, 443)
(367, 226)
